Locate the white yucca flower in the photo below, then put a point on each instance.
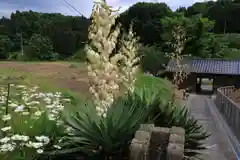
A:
(105, 73)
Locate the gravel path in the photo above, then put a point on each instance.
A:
(220, 147)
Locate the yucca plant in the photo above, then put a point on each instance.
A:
(109, 136)
(172, 115)
(167, 114)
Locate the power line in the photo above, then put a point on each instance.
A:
(72, 7)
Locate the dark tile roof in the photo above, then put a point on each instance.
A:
(211, 66)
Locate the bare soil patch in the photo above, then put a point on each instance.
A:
(60, 73)
(235, 96)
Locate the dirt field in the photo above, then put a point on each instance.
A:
(56, 76)
(72, 76)
(235, 96)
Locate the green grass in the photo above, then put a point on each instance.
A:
(158, 84)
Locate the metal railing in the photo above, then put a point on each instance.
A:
(229, 109)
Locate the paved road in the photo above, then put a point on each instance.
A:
(219, 144)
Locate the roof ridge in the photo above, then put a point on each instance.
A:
(217, 59)
(211, 66)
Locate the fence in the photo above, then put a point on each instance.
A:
(229, 109)
(157, 143)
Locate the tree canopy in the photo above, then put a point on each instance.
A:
(65, 33)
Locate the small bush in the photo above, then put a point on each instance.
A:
(40, 48)
(80, 55)
(13, 55)
(153, 59)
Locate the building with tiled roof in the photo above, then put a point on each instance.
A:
(223, 72)
(208, 66)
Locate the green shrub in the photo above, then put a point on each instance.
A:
(231, 54)
(40, 48)
(232, 40)
(80, 55)
(13, 55)
(5, 46)
(153, 59)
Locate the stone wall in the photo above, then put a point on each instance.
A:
(157, 143)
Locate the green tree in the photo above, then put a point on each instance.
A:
(5, 43)
(169, 25)
(153, 59)
(145, 18)
(181, 10)
(5, 46)
(197, 8)
(40, 48)
(67, 33)
(200, 41)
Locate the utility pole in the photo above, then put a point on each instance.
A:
(21, 45)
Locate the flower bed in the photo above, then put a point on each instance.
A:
(31, 121)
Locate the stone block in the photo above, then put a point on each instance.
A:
(177, 130)
(139, 147)
(174, 138)
(147, 127)
(175, 151)
(158, 142)
(142, 135)
(139, 150)
(159, 135)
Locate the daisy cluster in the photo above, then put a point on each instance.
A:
(21, 108)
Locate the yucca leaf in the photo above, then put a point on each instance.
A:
(168, 115)
(112, 133)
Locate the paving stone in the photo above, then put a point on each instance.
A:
(220, 148)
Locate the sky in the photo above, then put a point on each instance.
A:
(83, 6)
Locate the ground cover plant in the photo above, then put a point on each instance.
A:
(30, 122)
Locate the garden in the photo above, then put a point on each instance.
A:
(39, 124)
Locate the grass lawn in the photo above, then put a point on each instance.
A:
(155, 83)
